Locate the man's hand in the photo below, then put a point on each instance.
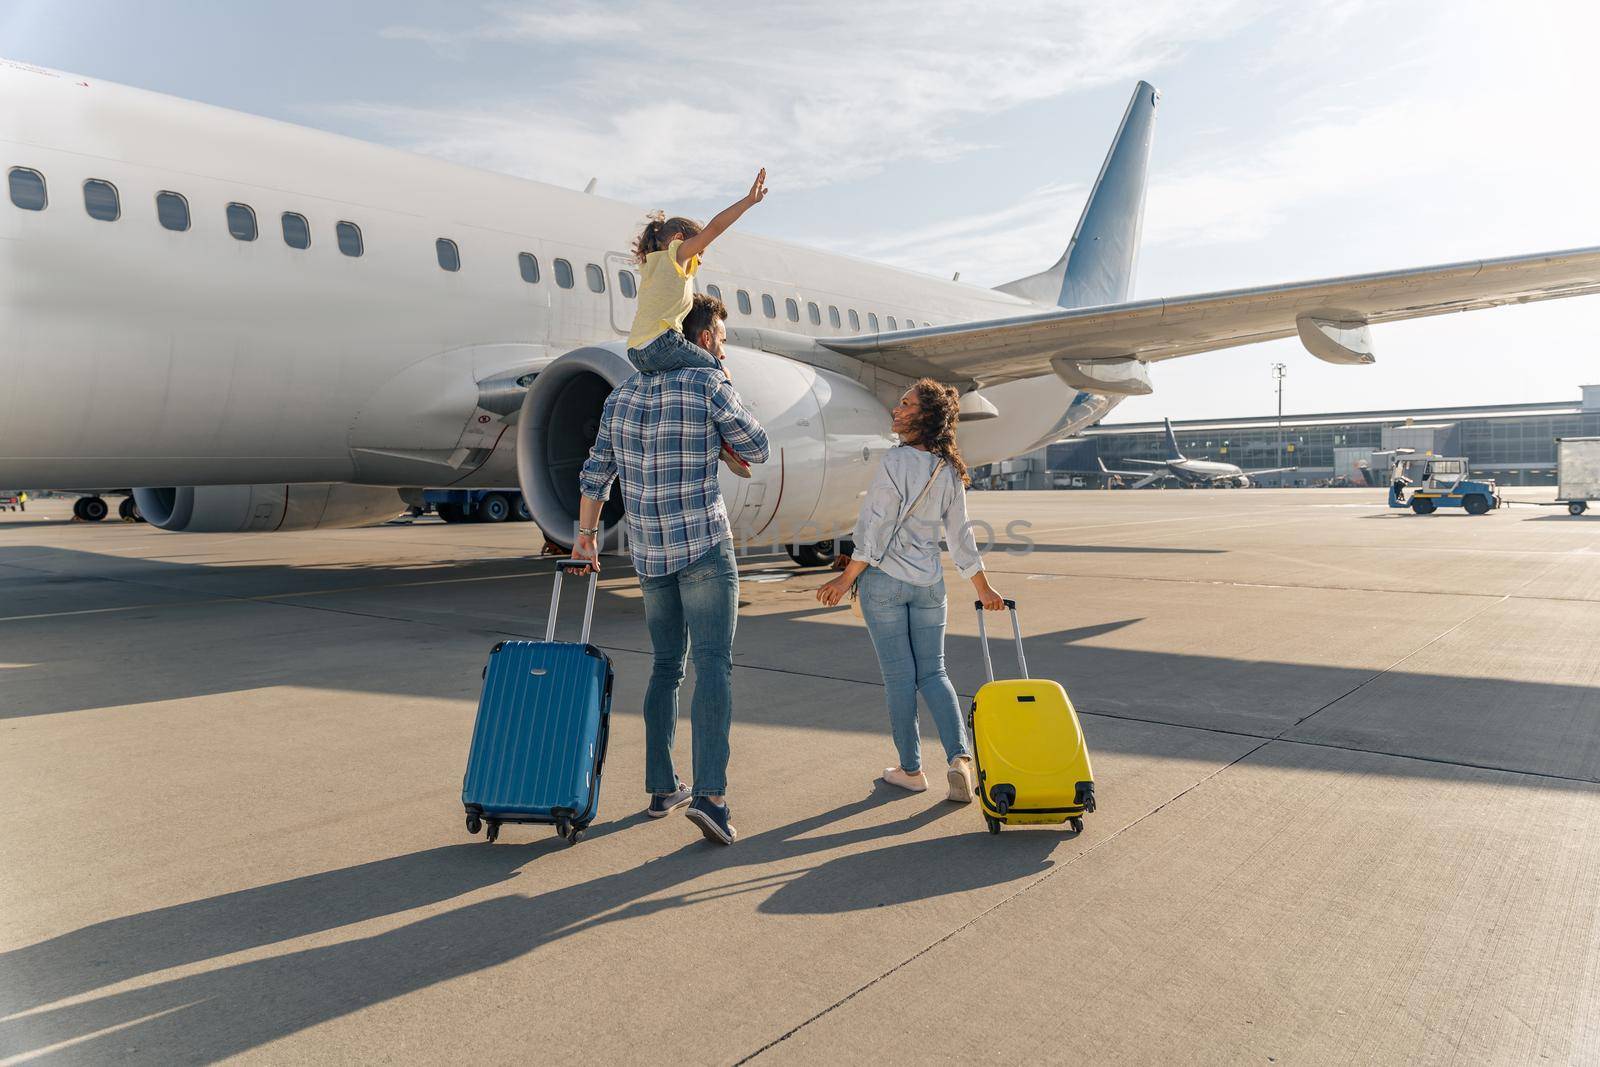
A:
(758, 189)
(584, 548)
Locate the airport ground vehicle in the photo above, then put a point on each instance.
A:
(1577, 472)
(12, 500)
(475, 505)
(1438, 482)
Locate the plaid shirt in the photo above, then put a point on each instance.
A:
(663, 433)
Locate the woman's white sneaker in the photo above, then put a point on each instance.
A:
(915, 783)
(960, 776)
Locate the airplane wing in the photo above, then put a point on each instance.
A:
(1147, 462)
(1144, 477)
(1272, 470)
(998, 350)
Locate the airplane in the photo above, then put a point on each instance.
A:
(1191, 472)
(264, 327)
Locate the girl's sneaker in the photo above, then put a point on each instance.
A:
(960, 776)
(735, 462)
(915, 783)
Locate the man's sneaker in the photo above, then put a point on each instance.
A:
(663, 803)
(712, 820)
(735, 462)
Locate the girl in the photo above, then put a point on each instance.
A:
(920, 487)
(668, 253)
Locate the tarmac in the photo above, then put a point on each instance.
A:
(1347, 765)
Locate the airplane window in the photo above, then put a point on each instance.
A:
(597, 278)
(242, 222)
(833, 316)
(855, 320)
(793, 309)
(872, 321)
(563, 274)
(768, 308)
(349, 238)
(715, 292)
(27, 189)
(625, 281)
(892, 324)
(909, 324)
(529, 266)
(100, 200)
(449, 255)
(744, 302)
(296, 231)
(814, 313)
(172, 211)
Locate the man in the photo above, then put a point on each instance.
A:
(661, 434)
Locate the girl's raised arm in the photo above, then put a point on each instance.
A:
(729, 215)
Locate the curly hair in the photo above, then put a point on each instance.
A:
(938, 408)
(658, 231)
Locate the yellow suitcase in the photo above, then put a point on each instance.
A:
(1033, 764)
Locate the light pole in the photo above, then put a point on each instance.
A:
(1278, 371)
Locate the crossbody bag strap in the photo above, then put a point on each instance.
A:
(937, 467)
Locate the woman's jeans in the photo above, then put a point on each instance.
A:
(906, 623)
(671, 351)
(694, 608)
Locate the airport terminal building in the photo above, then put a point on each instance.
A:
(1515, 444)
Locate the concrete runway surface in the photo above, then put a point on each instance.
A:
(1347, 764)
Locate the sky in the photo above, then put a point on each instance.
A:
(1293, 141)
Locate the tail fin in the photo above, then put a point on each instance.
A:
(1098, 265)
(1172, 441)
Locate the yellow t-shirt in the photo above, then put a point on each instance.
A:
(666, 293)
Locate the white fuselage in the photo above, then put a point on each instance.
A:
(133, 354)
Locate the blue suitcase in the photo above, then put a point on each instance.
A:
(539, 742)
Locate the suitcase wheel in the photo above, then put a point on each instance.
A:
(492, 830)
(994, 823)
(575, 835)
(1076, 822)
(563, 828)
(474, 824)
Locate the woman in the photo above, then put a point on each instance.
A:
(920, 488)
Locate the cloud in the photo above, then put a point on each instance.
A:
(819, 93)
(1417, 129)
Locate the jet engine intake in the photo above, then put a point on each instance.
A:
(825, 432)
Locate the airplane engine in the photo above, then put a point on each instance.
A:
(826, 434)
(1242, 482)
(267, 508)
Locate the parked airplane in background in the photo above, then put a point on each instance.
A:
(266, 327)
(1193, 472)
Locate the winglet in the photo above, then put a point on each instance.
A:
(1098, 265)
(1172, 441)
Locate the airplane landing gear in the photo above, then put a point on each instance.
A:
(90, 508)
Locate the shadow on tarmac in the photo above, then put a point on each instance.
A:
(431, 626)
(239, 1007)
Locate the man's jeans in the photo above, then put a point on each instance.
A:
(693, 609)
(906, 624)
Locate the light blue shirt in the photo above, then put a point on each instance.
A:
(913, 553)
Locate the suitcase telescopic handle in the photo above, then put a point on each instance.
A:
(562, 566)
(983, 639)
